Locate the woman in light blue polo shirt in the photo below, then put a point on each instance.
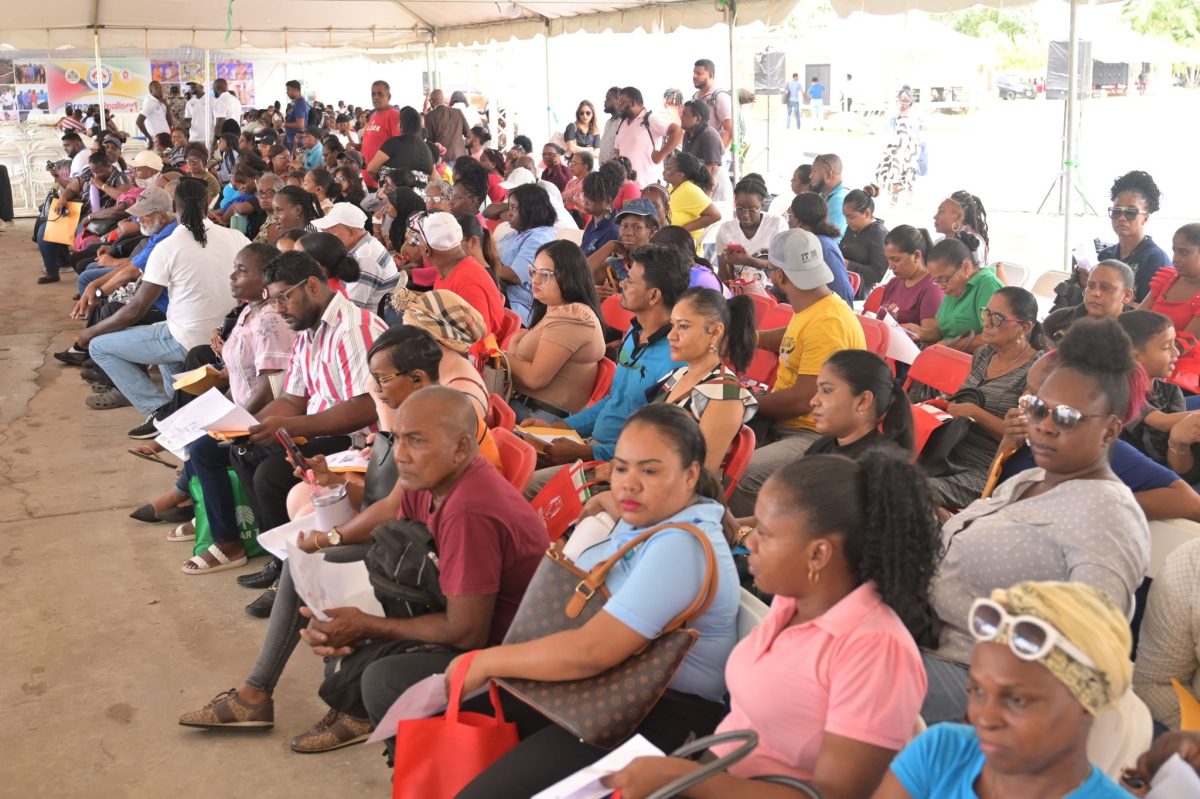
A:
(658, 478)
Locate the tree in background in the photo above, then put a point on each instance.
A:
(1178, 20)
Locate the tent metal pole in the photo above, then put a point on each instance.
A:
(546, 70)
(102, 120)
(208, 117)
(735, 142)
(1068, 186)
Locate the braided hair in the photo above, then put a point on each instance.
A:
(306, 201)
(604, 184)
(191, 198)
(974, 214)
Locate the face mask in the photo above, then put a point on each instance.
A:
(144, 183)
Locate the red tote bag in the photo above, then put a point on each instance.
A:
(560, 501)
(436, 758)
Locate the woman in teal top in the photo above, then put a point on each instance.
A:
(966, 289)
(1049, 657)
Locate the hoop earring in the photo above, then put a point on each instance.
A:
(814, 576)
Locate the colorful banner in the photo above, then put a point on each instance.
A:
(238, 75)
(125, 83)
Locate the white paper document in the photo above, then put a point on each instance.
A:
(210, 411)
(585, 783)
(323, 585)
(1175, 780)
(901, 347)
(276, 539)
(424, 699)
(352, 460)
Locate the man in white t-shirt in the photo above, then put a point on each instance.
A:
(378, 274)
(193, 265)
(199, 115)
(77, 151)
(153, 119)
(226, 106)
(645, 138)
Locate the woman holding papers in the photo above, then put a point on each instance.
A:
(911, 297)
(258, 346)
(831, 679)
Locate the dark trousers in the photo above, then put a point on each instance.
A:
(274, 478)
(54, 256)
(397, 667)
(548, 753)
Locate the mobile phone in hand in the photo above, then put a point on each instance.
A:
(293, 451)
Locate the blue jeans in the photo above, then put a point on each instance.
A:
(122, 354)
(793, 109)
(1192, 401)
(54, 256)
(93, 272)
(209, 462)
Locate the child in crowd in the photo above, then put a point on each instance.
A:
(1153, 338)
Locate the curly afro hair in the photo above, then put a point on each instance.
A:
(1141, 183)
(1101, 350)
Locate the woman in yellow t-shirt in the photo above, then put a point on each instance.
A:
(690, 185)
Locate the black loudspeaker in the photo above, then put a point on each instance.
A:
(770, 72)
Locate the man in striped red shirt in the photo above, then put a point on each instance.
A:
(325, 397)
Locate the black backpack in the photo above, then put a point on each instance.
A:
(402, 564)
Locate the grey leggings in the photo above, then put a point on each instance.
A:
(283, 634)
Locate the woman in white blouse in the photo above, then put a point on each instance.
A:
(742, 242)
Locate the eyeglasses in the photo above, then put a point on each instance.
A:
(1131, 213)
(280, 299)
(994, 318)
(541, 274)
(1030, 638)
(383, 380)
(945, 281)
(743, 209)
(1064, 417)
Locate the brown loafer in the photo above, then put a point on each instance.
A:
(334, 731)
(226, 710)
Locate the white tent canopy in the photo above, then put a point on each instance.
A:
(356, 24)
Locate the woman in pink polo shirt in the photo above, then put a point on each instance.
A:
(831, 680)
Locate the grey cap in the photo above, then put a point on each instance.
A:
(798, 253)
(151, 201)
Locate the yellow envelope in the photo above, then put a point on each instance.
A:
(198, 381)
(1189, 708)
(61, 229)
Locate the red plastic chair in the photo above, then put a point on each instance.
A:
(508, 328)
(737, 459)
(877, 334)
(604, 376)
(941, 368)
(873, 301)
(614, 315)
(500, 415)
(518, 458)
(778, 315)
(855, 281)
(763, 367)
(762, 304)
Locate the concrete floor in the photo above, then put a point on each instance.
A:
(105, 641)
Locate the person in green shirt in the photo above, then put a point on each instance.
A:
(966, 289)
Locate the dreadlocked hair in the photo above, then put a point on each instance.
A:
(605, 183)
(881, 508)
(191, 198)
(307, 202)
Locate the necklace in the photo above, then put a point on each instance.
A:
(1008, 366)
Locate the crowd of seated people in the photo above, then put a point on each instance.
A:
(389, 283)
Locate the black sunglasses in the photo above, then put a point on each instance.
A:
(1131, 213)
(1064, 417)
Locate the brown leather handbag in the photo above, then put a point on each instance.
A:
(605, 709)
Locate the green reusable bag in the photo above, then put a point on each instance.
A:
(247, 525)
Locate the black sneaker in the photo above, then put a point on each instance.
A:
(144, 431)
(263, 578)
(261, 607)
(94, 374)
(71, 357)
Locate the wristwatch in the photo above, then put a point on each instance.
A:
(99, 293)
(335, 538)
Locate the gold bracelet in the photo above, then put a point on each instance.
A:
(317, 540)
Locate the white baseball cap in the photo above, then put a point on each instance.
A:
(441, 231)
(518, 177)
(148, 158)
(798, 253)
(346, 214)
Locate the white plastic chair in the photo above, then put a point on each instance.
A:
(751, 611)
(1166, 535)
(568, 234)
(1014, 274)
(1119, 734)
(1043, 287)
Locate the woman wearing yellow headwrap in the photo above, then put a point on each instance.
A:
(1049, 656)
